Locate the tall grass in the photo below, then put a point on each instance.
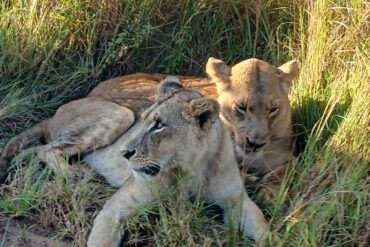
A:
(54, 51)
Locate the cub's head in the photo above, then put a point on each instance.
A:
(254, 99)
(172, 132)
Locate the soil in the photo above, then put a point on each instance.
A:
(22, 233)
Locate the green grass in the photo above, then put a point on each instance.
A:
(55, 51)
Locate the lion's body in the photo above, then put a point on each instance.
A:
(179, 136)
(86, 125)
(138, 91)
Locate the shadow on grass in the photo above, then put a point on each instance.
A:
(324, 194)
(308, 114)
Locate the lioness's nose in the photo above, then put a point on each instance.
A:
(254, 144)
(128, 153)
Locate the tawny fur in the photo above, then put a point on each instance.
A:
(255, 106)
(85, 125)
(190, 142)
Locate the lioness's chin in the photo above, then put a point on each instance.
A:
(138, 174)
(141, 176)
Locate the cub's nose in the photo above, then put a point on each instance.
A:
(128, 153)
(254, 144)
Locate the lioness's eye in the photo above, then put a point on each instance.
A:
(241, 107)
(159, 125)
(273, 110)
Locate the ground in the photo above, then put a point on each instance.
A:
(16, 233)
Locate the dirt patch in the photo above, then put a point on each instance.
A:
(20, 233)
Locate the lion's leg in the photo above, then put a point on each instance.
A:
(53, 157)
(226, 189)
(244, 212)
(252, 221)
(52, 154)
(271, 184)
(81, 127)
(125, 202)
(18, 142)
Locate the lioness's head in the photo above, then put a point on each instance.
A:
(172, 132)
(254, 99)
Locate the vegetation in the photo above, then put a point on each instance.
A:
(55, 51)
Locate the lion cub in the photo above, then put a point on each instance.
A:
(180, 134)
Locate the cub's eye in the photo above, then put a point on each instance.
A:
(273, 110)
(158, 126)
(242, 108)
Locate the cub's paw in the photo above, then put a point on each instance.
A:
(270, 186)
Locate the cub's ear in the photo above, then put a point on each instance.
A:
(291, 71)
(203, 112)
(170, 84)
(220, 73)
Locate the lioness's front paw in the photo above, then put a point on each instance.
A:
(262, 234)
(268, 194)
(271, 185)
(100, 240)
(99, 243)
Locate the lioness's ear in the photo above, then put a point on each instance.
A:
(220, 73)
(203, 111)
(170, 84)
(291, 71)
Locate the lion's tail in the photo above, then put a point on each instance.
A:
(15, 144)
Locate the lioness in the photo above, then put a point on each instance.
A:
(180, 134)
(255, 106)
